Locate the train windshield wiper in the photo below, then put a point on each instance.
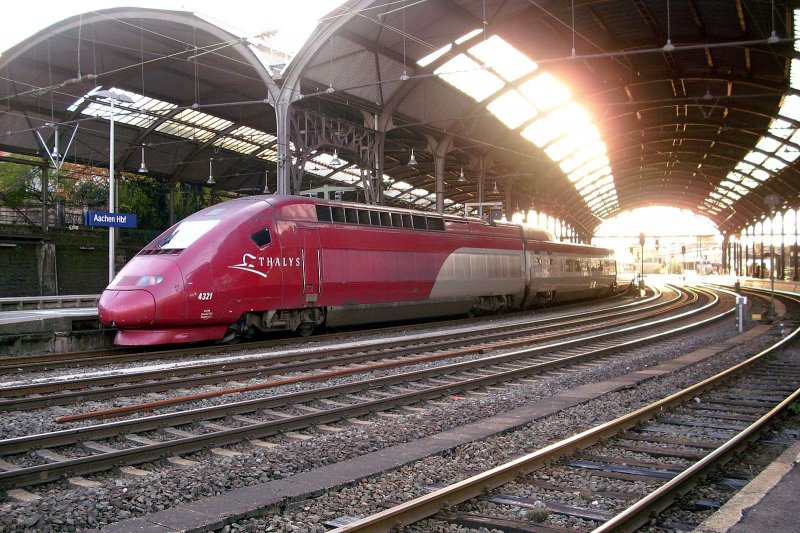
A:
(168, 239)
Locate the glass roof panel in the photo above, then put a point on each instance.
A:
(760, 175)
(781, 128)
(466, 37)
(573, 142)
(774, 165)
(503, 58)
(787, 153)
(750, 182)
(433, 56)
(468, 76)
(791, 107)
(755, 157)
(578, 158)
(512, 109)
(768, 144)
(545, 91)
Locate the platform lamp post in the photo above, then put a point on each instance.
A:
(641, 272)
(772, 201)
(112, 97)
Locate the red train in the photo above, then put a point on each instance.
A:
(288, 262)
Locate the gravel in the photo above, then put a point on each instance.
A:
(118, 498)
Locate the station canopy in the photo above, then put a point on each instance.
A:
(577, 109)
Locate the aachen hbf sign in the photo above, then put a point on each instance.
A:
(118, 220)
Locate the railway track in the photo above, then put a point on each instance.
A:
(662, 449)
(406, 350)
(51, 456)
(45, 362)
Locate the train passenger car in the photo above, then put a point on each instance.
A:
(559, 272)
(285, 262)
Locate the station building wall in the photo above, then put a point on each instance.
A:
(63, 262)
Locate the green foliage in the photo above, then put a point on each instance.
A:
(144, 196)
(18, 184)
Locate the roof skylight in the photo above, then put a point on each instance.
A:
(503, 58)
(554, 123)
(469, 77)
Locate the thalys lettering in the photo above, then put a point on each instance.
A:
(250, 261)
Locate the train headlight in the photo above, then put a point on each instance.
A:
(149, 281)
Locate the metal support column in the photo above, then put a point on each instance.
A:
(438, 170)
(761, 260)
(172, 186)
(746, 254)
(284, 153)
(45, 188)
(782, 272)
(796, 276)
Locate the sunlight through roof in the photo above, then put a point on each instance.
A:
(770, 155)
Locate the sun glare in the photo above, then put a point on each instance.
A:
(656, 222)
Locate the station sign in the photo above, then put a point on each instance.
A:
(117, 220)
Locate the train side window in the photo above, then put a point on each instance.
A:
(363, 217)
(435, 223)
(324, 213)
(386, 218)
(351, 216)
(375, 218)
(261, 238)
(397, 220)
(338, 214)
(568, 267)
(419, 222)
(407, 223)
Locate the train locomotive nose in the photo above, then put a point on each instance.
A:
(136, 308)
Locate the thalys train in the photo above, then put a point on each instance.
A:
(294, 263)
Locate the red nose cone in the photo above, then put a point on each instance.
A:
(126, 308)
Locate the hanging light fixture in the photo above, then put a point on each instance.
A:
(412, 160)
(143, 167)
(461, 176)
(495, 190)
(266, 182)
(210, 173)
(335, 159)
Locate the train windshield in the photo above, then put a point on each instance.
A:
(186, 233)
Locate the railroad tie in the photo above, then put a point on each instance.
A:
(79, 482)
(131, 472)
(21, 496)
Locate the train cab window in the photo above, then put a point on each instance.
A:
(407, 223)
(338, 214)
(351, 216)
(324, 213)
(363, 217)
(186, 233)
(435, 223)
(375, 218)
(386, 218)
(419, 222)
(261, 238)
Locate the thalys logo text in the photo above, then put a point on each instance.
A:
(251, 263)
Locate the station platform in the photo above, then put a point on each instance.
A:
(767, 503)
(51, 324)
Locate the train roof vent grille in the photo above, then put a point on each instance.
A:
(162, 251)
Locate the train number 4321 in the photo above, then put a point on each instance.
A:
(205, 296)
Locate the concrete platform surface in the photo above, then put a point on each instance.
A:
(768, 503)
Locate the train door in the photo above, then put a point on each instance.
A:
(310, 257)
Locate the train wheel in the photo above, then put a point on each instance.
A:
(305, 329)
